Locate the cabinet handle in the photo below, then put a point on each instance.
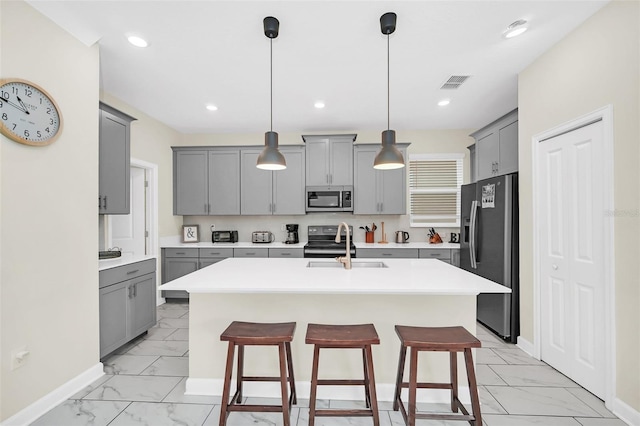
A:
(387, 254)
(250, 254)
(135, 290)
(130, 290)
(133, 272)
(180, 252)
(105, 201)
(285, 254)
(99, 202)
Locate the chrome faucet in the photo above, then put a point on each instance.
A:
(345, 260)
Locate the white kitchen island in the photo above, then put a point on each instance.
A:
(420, 292)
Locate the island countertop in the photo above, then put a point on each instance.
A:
(293, 276)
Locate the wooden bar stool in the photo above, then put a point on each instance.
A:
(344, 337)
(449, 339)
(243, 334)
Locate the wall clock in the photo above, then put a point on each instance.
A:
(28, 114)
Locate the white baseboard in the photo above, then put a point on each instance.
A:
(385, 391)
(54, 398)
(625, 412)
(526, 346)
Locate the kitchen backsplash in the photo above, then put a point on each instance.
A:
(245, 225)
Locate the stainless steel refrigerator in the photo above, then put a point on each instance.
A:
(489, 248)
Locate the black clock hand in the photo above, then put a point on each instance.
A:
(23, 105)
(13, 105)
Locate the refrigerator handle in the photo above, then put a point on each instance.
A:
(472, 231)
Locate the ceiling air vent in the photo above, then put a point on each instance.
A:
(455, 81)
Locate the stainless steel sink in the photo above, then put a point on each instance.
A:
(354, 264)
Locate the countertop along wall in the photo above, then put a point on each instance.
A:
(49, 218)
(596, 65)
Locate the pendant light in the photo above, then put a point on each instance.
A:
(271, 158)
(389, 156)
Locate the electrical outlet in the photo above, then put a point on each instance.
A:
(19, 357)
(283, 227)
(213, 228)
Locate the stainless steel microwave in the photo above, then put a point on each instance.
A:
(329, 199)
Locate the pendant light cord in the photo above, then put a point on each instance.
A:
(271, 81)
(388, 90)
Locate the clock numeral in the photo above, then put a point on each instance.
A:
(48, 110)
(5, 95)
(51, 121)
(4, 116)
(14, 126)
(14, 90)
(39, 134)
(48, 131)
(28, 92)
(26, 133)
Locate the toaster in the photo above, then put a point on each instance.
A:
(262, 237)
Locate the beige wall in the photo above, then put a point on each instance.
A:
(596, 65)
(49, 215)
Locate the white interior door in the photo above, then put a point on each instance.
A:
(129, 232)
(571, 212)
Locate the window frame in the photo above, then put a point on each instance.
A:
(459, 159)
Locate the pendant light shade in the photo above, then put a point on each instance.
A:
(271, 158)
(389, 156)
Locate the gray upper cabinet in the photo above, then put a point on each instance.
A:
(496, 147)
(264, 192)
(114, 161)
(224, 181)
(378, 191)
(329, 159)
(190, 182)
(206, 181)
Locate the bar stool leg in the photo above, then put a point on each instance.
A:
(400, 376)
(283, 384)
(473, 387)
(240, 375)
(227, 385)
(453, 367)
(371, 385)
(367, 395)
(292, 381)
(413, 381)
(314, 386)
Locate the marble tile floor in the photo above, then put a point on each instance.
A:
(144, 384)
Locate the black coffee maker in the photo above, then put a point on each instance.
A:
(292, 234)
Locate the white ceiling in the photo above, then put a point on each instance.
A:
(216, 52)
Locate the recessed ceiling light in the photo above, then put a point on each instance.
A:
(211, 107)
(444, 102)
(515, 29)
(137, 41)
(319, 104)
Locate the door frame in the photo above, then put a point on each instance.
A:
(604, 114)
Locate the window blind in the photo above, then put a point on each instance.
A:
(434, 189)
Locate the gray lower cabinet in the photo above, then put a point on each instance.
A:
(209, 256)
(286, 252)
(265, 192)
(496, 147)
(451, 256)
(114, 161)
(206, 181)
(380, 253)
(251, 252)
(378, 191)
(127, 303)
(177, 262)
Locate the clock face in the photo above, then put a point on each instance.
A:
(27, 113)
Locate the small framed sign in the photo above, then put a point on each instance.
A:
(190, 233)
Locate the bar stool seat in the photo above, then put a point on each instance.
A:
(243, 334)
(449, 339)
(360, 336)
